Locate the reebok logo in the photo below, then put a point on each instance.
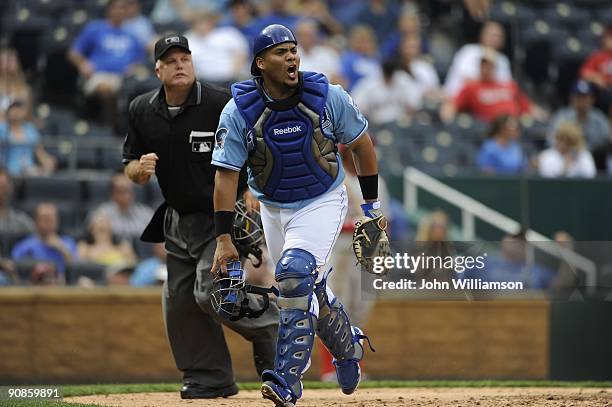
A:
(287, 130)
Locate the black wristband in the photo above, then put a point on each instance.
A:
(224, 220)
(369, 186)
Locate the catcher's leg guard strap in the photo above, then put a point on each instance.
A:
(334, 327)
(296, 274)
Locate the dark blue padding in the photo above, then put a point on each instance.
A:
(295, 174)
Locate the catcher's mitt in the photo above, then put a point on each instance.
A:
(369, 241)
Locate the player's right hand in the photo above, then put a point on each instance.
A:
(147, 164)
(224, 253)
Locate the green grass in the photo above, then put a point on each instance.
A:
(85, 390)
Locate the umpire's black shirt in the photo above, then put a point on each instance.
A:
(183, 143)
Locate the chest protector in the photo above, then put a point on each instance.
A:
(292, 159)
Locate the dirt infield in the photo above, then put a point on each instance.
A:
(421, 397)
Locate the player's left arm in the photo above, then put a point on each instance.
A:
(350, 128)
(364, 156)
(370, 238)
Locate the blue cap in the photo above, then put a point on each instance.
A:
(267, 38)
(582, 87)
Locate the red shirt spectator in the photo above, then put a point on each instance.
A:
(487, 100)
(598, 66)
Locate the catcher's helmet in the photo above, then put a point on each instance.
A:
(270, 36)
(247, 232)
(229, 295)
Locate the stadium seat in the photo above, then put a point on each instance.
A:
(568, 57)
(565, 14)
(537, 40)
(57, 188)
(62, 149)
(87, 158)
(56, 120)
(97, 190)
(467, 129)
(111, 157)
(93, 271)
(8, 241)
(24, 268)
(507, 12)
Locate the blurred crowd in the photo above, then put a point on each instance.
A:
(70, 68)
(527, 91)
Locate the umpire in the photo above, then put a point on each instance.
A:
(171, 134)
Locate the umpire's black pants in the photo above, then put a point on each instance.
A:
(194, 329)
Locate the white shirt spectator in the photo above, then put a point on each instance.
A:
(219, 56)
(424, 76)
(384, 102)
(322, 59)
(466, 67)
(553, 164)
(125, 225)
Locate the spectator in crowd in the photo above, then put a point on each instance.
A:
(45, 245)
(20, 148)
(487, 97)
(241, 17)
(409, 25)
(346, 11)
(361, 59)
(602, 156)
(432, 239)
(128, 218)
(219, 53)
(433, 228)
(597, 69)
(567, 277)
(314, 54)
(178, 13)
(151, 271)
(388, 97)
(466, 63)
(101, 247)
(13, 86)
(7, 272)
(381, 15)
(275, 12)
(318, 11)
(422, 72)
(512, 265)
(137, 24)
(103, 52)
(594, 124)
(12, 221)
(502, 152)
(568, 157)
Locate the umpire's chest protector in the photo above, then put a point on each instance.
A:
(292, 159)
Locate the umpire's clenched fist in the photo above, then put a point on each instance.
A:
(147, 163)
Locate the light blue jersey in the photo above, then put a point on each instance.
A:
(343, 123)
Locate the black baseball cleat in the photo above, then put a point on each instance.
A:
(192, 390)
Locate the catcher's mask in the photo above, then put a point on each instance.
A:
(229, 296)
(247, 232)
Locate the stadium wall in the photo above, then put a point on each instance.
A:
(116, 335)
(572, 205)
